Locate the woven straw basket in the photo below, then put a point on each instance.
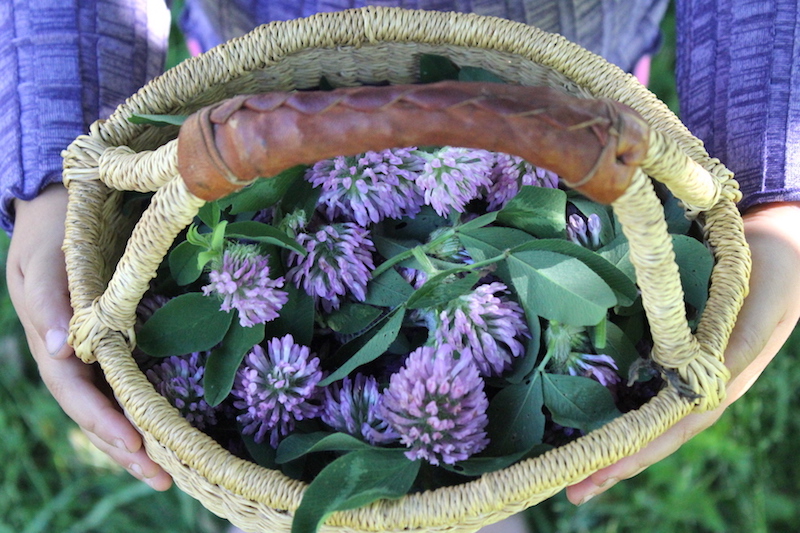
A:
(111, 259)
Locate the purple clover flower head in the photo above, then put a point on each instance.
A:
(243, 282)
(540, 177)
(352, 406)
(179, 379)
(452, 177)
(275, 387)
(437, 404)
(508, 173)
(369, 187)
(339, 261)
(584, 232)
(600, 367)
(569, 347)
(415, 277)
(150, 303)
(484, 327)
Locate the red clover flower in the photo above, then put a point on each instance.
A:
(243, 282)
(275, 387)
(339, 260)
(437, 404)
(452, 177)
(484, 327)
(369, 187)
(352, 406)
(179, 379)
(509, 173)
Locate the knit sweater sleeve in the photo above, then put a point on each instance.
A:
(66, 64)
(739, 86)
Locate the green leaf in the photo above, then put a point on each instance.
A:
(260, 232)
(224, 361)
(619, 282)
(193, 235)
(491, 241)
(157, 120)
(674, 213)
(578, 402)
(485, 243)
(296, 317)
(559, 287)
(367, 347)
(433, 68)
(218, 236)
(264, 192)
(390, 248)
(620, 348)
(522, 366)
(183, 264)
(262, 453)
(301, 195)
(210, 214)
(354, 480)
(188, 323)
(536, 210)
(388, 290)
(441, 289)
(478, 74)
(516, 419)
(617, 252)
(477, 466)
(480, 222)
(695, 263)
(299, 444)
(352, 317)
(548, 284)
(418, 228)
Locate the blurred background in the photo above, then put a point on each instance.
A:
(742, 475)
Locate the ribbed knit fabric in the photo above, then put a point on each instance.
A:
(66, 63)
(619, 31)
(739, 85)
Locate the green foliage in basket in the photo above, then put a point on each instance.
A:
(403, 320)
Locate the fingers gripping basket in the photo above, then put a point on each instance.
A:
(110, 266)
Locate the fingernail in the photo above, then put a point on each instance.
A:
(120, 445)
(609, 482)
(54, 340)
(586, 498)
(136, 469)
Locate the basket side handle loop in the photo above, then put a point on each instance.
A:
(595, 145)
(688, 180)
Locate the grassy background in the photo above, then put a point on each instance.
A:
(739, 476)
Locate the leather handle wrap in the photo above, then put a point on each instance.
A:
(594, 145)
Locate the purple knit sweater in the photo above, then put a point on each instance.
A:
(68, 63)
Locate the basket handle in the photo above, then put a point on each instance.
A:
(594, 145)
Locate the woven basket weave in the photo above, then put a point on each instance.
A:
(110, 262)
